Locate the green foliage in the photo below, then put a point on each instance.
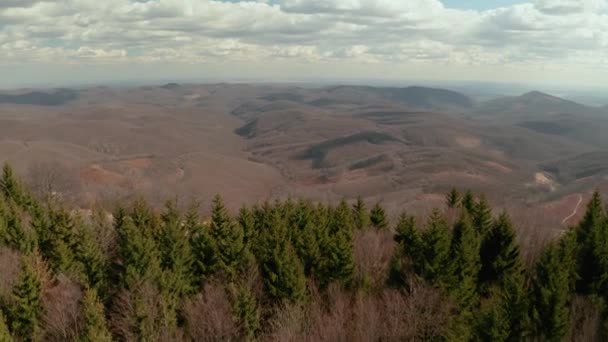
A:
(230, 252)
(13, 232)
(500, 253)
(11, 187)
(5, 335)
(360, 214)
(434, 264)
(247, 313)
(407, 257)
(336, 257)
(453, 199)
(92, 258)
(95, 326)
(551, 294)
(468, 202)
(282, 270)
(482, 217)
(175, 252)
(465, 263)
(592, 237)
(26, 309)
(378, 217)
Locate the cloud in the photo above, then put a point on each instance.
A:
(559, 32)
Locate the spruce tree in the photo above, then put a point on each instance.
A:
(592, 237)
(551, 295)
(230, 251)
(500, 254)
(247, 313)
(360, 214)
(5, 335)
(90, 254)
(11, 187)
(378, 217)
(465, 263)
(139, 255)
(282, 271)
(407, 256)
(25, 311)
(95, 326)
(468, 202)
(246, 220)
(434, 264)
(453, 199)
(175, 253)
(482, 217)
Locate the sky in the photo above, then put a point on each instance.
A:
(98, 41)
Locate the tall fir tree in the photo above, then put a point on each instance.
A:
(551, 294)
(26, 310)
(360, 214)
(230, 251)
(175, 251)
(453, 199)
(5, 335)
(11, 186)
(592, 237)
(407, 256)
(466, 263)
(282, 271)
(434, 265)
(481, 215)
(500, 254)
(138, 253)
(90, 254)
(247, 313)
(468, 202)
(336, 263)
(378, 217)
(95, 328)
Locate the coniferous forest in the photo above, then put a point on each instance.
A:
(293, 270)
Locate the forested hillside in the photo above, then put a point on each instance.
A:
(293, 270)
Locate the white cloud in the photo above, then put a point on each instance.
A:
(541, 32)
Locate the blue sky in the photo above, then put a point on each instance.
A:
(88, 41)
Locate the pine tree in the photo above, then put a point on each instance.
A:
(230, 251)
(378, 217)
(175, 253)
(407, 235)
(551, 295)
(91, 256)
(11, 187)
(466, 263)
(468, 202)
(26, 309)
(247, 313)
(282, 271)
(482, 217)
(592, 237)
(453, 199)
(246, 220)
(500, 253)
(139, 256)
(16, 235)
(407, 253)
(5, 335)
(434, 264)
(95, 326)
(204, 257)
(360, 214)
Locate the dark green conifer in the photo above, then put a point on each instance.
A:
(139, 255)
(90, 254)
(247, 313)
(175, 251)
(500, 253)
(453, 199)
(434, 264)
(230, 251)
(551, 295)
(95, 328)
(465, 263)
(5, 335)
(282, 271)
(481, 215)
(468, 202)
(26, 310)
(592, 237)
(378, 217)
(360, 214)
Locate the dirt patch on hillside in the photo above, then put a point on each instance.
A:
(468, 141)
(138, 163)
(98, 175)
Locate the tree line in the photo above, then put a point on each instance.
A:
(141, 271)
